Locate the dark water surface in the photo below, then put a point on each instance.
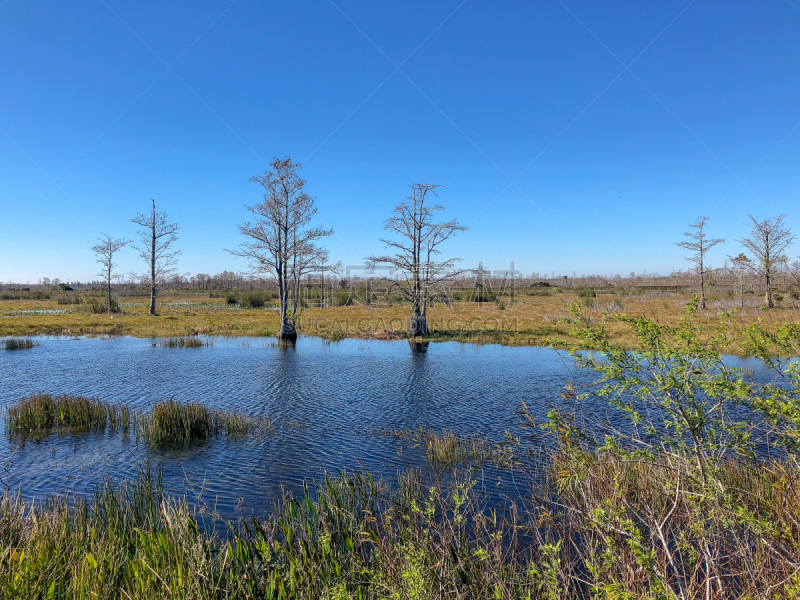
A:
(323, 397)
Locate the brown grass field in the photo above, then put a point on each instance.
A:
(530, 321)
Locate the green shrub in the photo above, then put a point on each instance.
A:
(253, 300)
(342, 298)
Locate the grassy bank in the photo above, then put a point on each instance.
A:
(530, 320)
(593, 528)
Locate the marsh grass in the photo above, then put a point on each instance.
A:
(18, 344)
(348, 537)
(182, 423)
(533, 323)
(169, 422)
(41, 413)
(583, 535)
(184, 342)
(448, 449)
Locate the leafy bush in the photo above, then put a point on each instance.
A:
(253, 300)
(342, 298)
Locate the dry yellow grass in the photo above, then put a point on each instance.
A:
(532, 320)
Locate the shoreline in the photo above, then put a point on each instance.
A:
(535, 321)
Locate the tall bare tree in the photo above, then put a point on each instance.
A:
(740, 265)
(305, 261)
(699, 244)
(105, 252)
(323, 266)
(282, 238)
(419, 236)
(768, 240)
(156, 248)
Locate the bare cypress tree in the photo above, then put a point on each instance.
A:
(418, 245)
(767, 242)
(156, 249)
(281, 235)
(305, 261)
(740, 265)
(105, 252)
(322, 266)
(699, 244)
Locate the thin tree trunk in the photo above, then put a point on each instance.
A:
(108, 289)
(768, 291)
(153, 268)
(741, 292)
(702, 286)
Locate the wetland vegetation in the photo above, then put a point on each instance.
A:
(695, 493)
(168, 422)
(528, 318)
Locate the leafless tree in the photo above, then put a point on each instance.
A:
(306, 258)
(740, 266)
(699, 244)
(417, 247)
(321, 266)
(794, 272)
(281, 234)
(767, 242)
(105, 252)
(156, 249)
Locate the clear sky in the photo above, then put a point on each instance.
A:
(571, 136)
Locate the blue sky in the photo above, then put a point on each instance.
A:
(555, 154)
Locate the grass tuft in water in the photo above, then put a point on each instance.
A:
(180, 342)
(174, 422)
(18, 344)
(40, 413)
(448, 449)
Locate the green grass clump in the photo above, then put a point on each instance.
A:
(18, 344)
(40, 413)
(448, 449)
(174, 422)
(187, 342)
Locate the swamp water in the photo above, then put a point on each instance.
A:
(327, 402)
